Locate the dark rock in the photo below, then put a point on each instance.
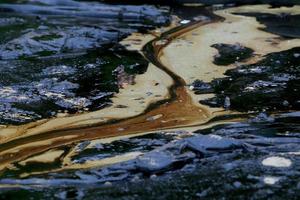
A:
(284, 24)
(200, 87)
(88, 9)
(155, 161)
(229, 54)
(206, 143)
(262, 118)
(264, 85)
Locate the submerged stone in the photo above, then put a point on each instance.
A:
(283, 24)
(70, 40)
(204, 143)
(155, 161)
(229, 53)
(200, 87)
(168, 156)
(262, 118)
(73, 8)
(227, 103)
(11, 21)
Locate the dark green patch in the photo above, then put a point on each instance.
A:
(12, 31)
(45, 53)
(47, 37)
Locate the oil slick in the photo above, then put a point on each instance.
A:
(160, 100)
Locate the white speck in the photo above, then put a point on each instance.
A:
(153, 176)
(185, 21)
(155, 117)
(285, 103)
(276, 161)
(249, 88)
(107, 183)
(227, 103)
(161, 42)
(203, 193)
(296, 55)
(121, 129)
(191, 87)
(271, 180)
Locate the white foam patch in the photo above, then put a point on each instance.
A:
(276, 161)
(271, 180)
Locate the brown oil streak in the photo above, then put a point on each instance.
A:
(177, 111)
